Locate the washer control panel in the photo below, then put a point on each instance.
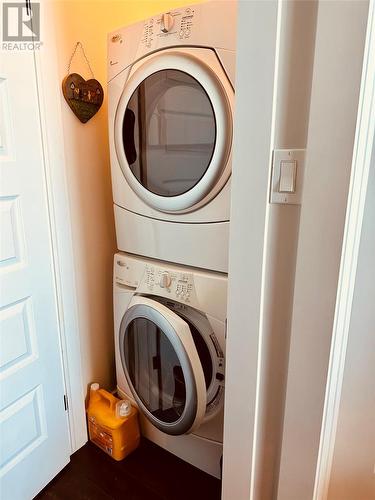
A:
(176, 285)
(177, 23)
(202, 290)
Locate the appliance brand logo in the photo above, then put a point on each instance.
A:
(21, 26)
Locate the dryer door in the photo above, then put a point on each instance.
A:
(162, 366)
(173, 129)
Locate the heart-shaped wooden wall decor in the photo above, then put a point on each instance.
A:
(83, 96)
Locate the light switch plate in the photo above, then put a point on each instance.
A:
(287, 155)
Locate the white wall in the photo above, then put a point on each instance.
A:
(89, 186)
(88, 169)
(341, 28)
(297, 37)
(352, 473)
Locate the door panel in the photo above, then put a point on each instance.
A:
(12, 248)
(18, 341)
(33, 422)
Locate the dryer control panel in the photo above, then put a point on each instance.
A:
(176, 23)
(208, 24)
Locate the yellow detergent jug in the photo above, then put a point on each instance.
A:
(113, 423)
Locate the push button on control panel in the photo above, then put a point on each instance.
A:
(148, 34)
(186, 23)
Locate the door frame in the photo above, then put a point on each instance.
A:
(51, 130)
(248, 236)
(362, 154)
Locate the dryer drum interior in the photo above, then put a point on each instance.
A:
(169, 132)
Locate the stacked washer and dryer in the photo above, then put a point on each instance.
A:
(171, 97)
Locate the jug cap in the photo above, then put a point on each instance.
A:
(123, 408)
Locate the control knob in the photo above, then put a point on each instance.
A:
(165, 280)
(166, 23)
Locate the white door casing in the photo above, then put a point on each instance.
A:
(33, 421)
(361, 166)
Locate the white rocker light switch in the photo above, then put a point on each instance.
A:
(287, 176)
(288, 167)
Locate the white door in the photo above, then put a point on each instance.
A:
(33, 422)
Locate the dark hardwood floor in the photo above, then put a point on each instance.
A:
(149, 473)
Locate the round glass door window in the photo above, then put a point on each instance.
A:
(169, 132)
(153, 365)
(155, 370)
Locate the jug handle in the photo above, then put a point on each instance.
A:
(111, 400)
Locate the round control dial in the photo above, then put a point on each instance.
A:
(165, 280)
(166, 23)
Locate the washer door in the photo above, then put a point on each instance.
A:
(173, 130)
(162, 366)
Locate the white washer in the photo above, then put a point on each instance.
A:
(170, 344)
(171, 99)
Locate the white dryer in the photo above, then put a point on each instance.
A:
(170, 345)
(171, 99)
